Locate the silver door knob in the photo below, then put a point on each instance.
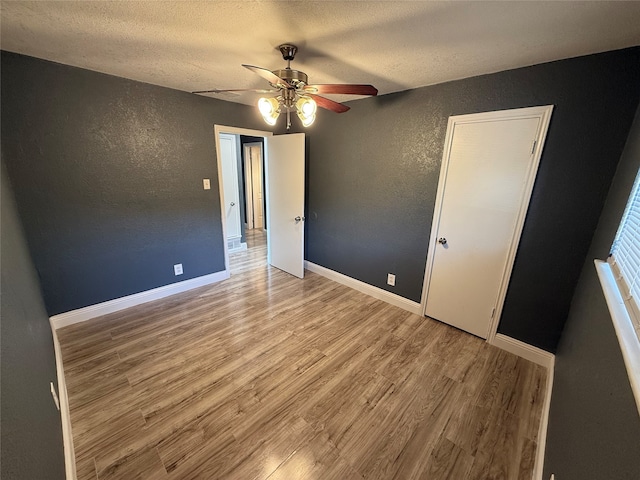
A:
(299, 218)
(442, 240)
(233, 204)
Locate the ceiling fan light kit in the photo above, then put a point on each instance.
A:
(306, 108)
(296, 94)
(269, 109)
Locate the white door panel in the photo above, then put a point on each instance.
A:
(256, 172)
(486, 182)
(248, 189)
(285, 191)
(229, 159)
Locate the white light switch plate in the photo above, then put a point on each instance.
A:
(206, 183)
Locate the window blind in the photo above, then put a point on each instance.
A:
(625, 252)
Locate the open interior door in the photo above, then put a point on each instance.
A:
(285, 209)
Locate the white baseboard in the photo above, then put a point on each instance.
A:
(375, 292)
(544, 423)
(65, 416)
(524, 350)
(545, 359)
(93, 311)
(243, 246)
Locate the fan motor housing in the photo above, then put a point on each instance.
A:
(293, 77)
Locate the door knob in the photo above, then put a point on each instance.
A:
(299, 218)
(233, 204)
(442, 240)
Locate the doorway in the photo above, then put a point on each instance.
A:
(489, 165)
(231, 189)
(220, 131)
(284, 166)
(254, 186)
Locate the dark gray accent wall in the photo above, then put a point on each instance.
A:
(373, 175)
(31, 433)
(594, 426)
(107, 174)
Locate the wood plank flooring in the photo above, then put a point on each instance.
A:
(265, 376)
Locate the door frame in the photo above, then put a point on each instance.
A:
(544, 114)
(217, 130)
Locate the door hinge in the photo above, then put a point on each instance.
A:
(533, 147)
(493, 312)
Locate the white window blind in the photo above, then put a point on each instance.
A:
(625, 253)
(620, 279)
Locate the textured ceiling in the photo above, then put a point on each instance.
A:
(392, 45)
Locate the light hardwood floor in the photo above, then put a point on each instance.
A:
(265, 376)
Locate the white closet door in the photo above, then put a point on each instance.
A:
(229, 158)
(256, 174)
(486, 184)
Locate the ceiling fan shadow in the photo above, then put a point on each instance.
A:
(326, 62)
(385, 101)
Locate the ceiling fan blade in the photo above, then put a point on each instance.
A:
(329, 104)
(345, 89)
(269, 76)
(236, 90)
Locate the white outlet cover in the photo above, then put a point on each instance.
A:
(206, 183)
(177, 269)
(391, 279)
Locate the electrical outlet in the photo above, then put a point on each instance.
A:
(206, 183)
(391, 279)
(177, 269)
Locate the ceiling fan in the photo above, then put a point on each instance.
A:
(294, 93)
